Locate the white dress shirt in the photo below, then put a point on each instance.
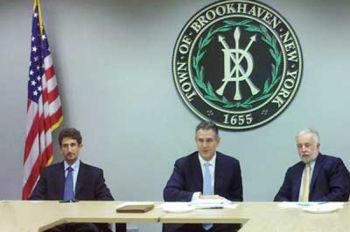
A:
(196, 195)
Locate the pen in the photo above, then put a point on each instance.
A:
(211, 207)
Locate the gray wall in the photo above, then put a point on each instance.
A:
(113, 64)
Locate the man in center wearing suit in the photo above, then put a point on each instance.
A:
(87, 182)
(317, 177)
(187, 180)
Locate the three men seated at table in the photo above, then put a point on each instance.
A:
(204, 174)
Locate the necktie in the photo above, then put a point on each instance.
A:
(306, 187)
(207, 189)
(68, 186)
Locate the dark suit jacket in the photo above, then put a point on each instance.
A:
(187, 178)
(330, 181)
(90, 184)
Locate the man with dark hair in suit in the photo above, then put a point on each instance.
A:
(72, 180)
(187, 182)
(316, 177)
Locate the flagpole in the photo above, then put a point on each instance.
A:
(37, 3)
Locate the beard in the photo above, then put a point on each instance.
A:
(311, 158)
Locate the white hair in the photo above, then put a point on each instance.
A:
(315, 134)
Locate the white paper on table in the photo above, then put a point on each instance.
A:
(177, 207)
(232, 205)
(171, 204)
(328, 207)
(213, 203)
(202, 204)
(303, 205)
(292, 205)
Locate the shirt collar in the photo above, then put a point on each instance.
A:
(75, 166)
(203, 161)
(312, 164)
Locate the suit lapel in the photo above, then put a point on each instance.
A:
(61, 179)
(219, 174)
(197, 173)
(298, 176)
(316, 171)
(80, 179)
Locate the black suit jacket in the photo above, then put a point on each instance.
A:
(187, 178)
(330, 181)
(90, 184)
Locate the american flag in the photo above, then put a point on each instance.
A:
(44, 112)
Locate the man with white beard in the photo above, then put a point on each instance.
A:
(316, 177)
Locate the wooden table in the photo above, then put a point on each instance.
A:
(30, 216)
(33, 216)
(267, 217)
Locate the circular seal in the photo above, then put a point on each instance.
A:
(237, 63)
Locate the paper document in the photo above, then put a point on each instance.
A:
(213, 203)
(176, 207)
(324, 207)
(304, 205)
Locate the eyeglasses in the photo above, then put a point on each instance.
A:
(72, 145)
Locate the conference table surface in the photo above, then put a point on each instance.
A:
(33, 216)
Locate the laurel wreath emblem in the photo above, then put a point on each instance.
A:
(269, 83)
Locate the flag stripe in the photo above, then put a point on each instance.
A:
(55, 105)
(53, 95)
(32, 157)
(56, 118)
(32, 179)
(51, 83)
(31, 136)
(48, 61)
(49, 72)
(31, 112)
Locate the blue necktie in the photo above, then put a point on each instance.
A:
(207, 189)
(68, 186)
